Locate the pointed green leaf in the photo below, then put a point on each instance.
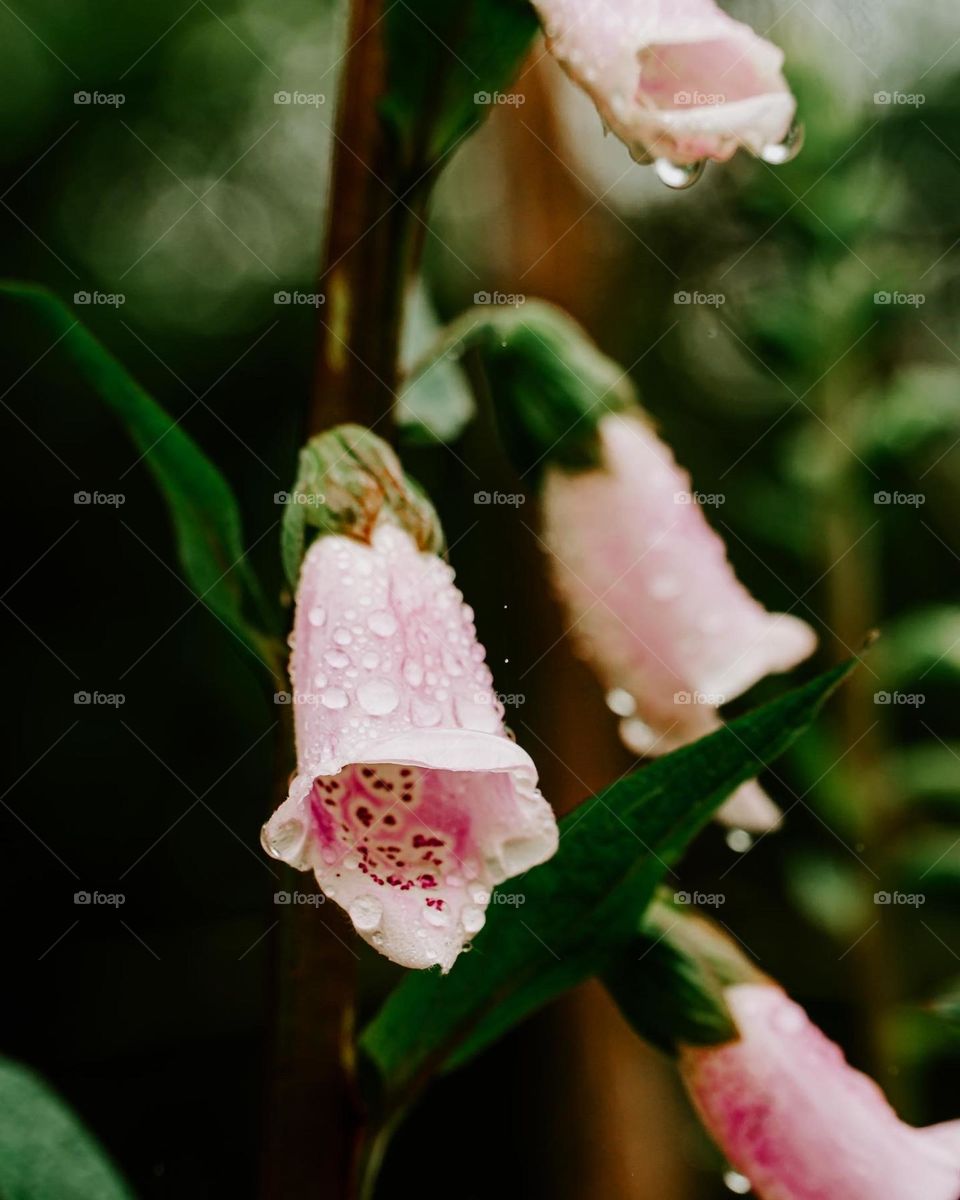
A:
(204, 510)
(582, 906)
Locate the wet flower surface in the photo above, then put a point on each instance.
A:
(679, 81)
(410, 802)
(800, 1122)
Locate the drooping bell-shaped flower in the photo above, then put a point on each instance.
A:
(800, 1123)
(679, 81)
(653, 603)
(410, 801)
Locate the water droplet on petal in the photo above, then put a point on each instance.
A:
(316, 616)
(382, 623)
(413, 672)
(620, 701)
(472, 919)
(336, 658)
(737, 1183)
(739, 840)
(279, 842)
(424, 713)
(678, 175)
(343, 637)
(786, 151)
(370, 660)
(366, 913)
(333, 697)
(378, 697)
(433, 916)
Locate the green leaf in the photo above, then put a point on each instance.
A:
(441, 56)
(924, 641)
(45, 1152)
(204, 510)
(549, 382)
(670, 981)
(581, 907)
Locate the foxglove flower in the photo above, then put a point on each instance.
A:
(679, 81)
(410, 801)
(800, 1123)
(654, 604)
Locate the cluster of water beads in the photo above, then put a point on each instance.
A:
(678, 176)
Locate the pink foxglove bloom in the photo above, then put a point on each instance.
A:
(679, 81)
(800, 1123)
(410, 802)
(653, 602)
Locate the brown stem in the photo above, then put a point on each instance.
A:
(369, 249)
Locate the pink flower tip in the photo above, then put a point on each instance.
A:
(653, 602)
(411, 802)
(678, 81)
(800, 1123)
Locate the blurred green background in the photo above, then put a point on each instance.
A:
(810, 379)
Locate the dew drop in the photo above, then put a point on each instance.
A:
(413, 672)
(472, 918)
(279, 842)
(343, 637)
(424, 713)
(370, 660)
(336, 659)
(333, 697)
(378, 697)
(678, 175)
(739, 840)
(366, 913)
(436, 918)
(620, 701)
(382, 623)
(316, 616)
(786, 151)
(737, 1183)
